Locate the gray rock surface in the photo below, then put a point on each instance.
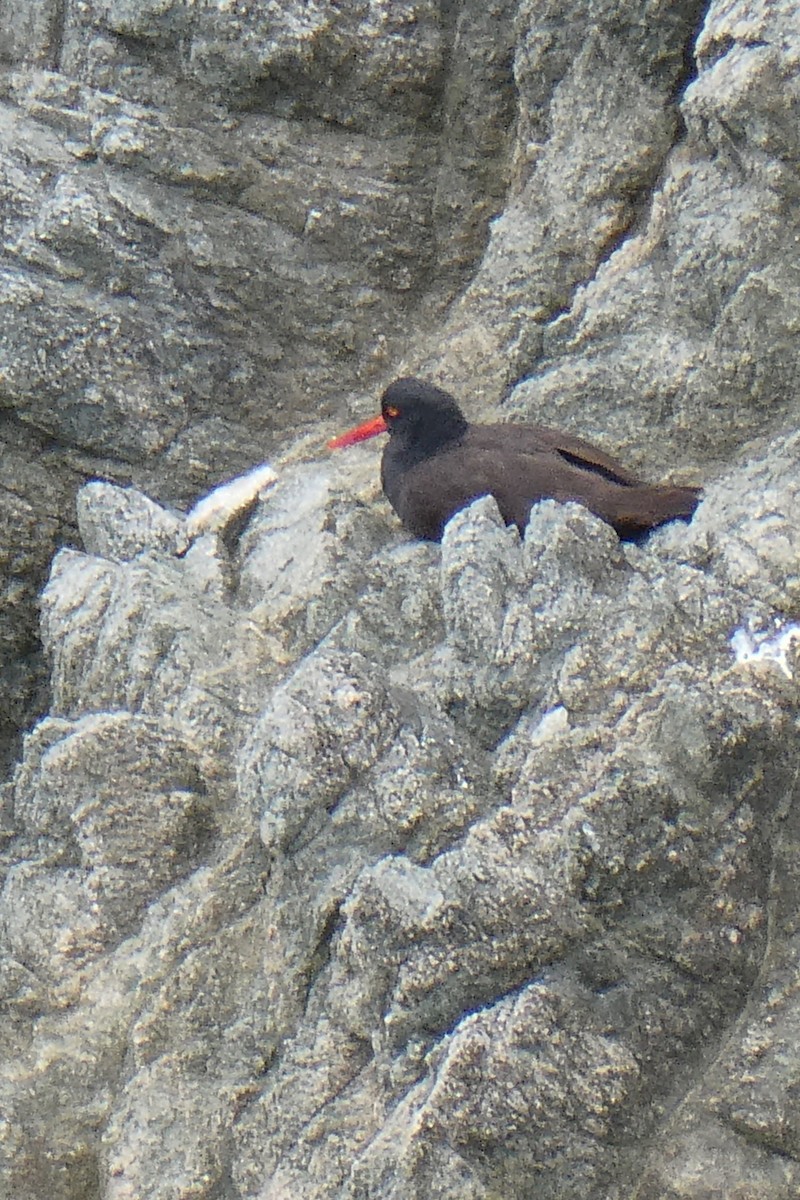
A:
(339, 865)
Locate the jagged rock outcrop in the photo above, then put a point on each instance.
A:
(443, 906)
(340, 865)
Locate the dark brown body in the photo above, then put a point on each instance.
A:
(435, 463)
(520, 465)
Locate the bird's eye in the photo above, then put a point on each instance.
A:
(391, 411)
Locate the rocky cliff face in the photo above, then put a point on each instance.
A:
(338, 865)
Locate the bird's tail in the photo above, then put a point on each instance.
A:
(642, 508)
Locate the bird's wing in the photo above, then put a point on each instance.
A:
(533, 439)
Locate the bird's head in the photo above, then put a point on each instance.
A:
(416, 412)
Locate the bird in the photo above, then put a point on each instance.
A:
(436, 463)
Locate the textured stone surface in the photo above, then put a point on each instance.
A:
(217, 221)
(342, 866)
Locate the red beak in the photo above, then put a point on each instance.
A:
(368, 429)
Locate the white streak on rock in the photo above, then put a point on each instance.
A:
(749, 647)
(214, 511)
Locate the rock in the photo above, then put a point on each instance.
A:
(334, 864)
(121, 523)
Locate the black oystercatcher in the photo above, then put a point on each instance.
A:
(435, 463)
